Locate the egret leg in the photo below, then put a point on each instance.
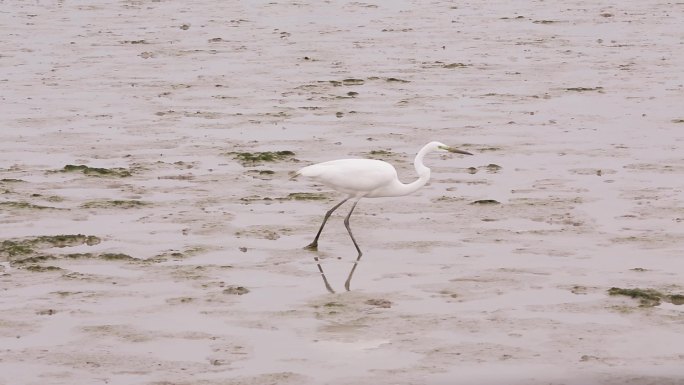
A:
(347, 283)
(325, 280)
(346, 224)
(314, 245)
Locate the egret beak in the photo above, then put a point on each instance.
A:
(455, 150)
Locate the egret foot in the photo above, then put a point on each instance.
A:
(312, 246)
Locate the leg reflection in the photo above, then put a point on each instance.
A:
(351, 273)
(325, 280)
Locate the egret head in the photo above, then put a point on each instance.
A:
(443, 147)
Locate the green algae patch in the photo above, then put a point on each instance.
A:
(483, 202)
(115, 257)
(490, 169)
(102, 256)
(445, 198)
(34, 263)
(333, 304)
(381, 154)
(34, 259)
(379, 302)
(493, 168)
(297, 196)
(41, 269)
(585, 89)
(648, 297)
(252, 158)
(24, 206)
(261, 174)
(255, 198)
(455, 65)
(107, 204)
(97, 171)
(14, 249)
(236, 290)
(65, 240)
(28, 247)
(353, 82)
(303, 196)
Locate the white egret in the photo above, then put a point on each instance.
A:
(367, 178)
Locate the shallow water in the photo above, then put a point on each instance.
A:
(579, 106)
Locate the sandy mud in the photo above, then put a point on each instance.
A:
(151, 234)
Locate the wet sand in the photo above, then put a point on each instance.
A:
(195, 273)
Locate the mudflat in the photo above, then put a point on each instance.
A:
(150, 231)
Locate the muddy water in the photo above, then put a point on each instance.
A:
(580, 107)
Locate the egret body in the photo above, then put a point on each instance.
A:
(368, 178)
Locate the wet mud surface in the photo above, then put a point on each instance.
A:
(150, 231)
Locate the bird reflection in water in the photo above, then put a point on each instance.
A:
(347, 283)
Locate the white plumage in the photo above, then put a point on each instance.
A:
(356, 177)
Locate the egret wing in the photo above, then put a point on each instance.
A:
(352, 176)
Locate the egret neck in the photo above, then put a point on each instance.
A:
(398, 189)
